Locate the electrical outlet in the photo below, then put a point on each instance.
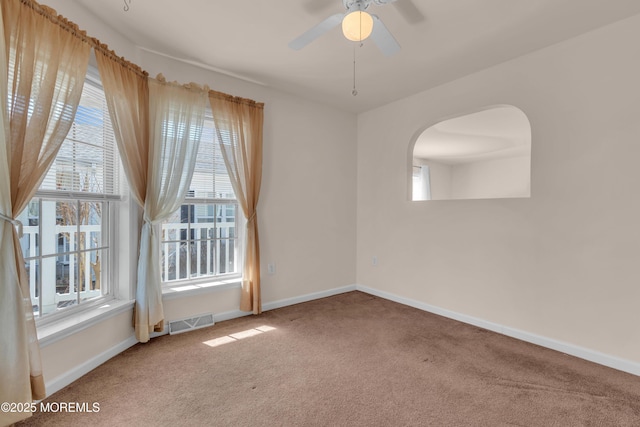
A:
(271, 268)
(374, 260)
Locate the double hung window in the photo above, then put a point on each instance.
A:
(68, 225)
(70, 242)
(200, 240)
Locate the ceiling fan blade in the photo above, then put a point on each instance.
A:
(383, 38)
(315, 32)
(316, 6)
(406, 8)
(409, 11)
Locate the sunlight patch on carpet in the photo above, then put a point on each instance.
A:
(238, 336)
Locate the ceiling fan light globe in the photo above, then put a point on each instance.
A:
(357, 26)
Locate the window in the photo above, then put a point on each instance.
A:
(421, 183)
(66, 243)
(200, 240)
(70, 243)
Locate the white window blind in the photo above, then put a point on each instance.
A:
(210, 178)
(87, 163)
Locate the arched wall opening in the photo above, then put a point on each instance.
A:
(482, 155)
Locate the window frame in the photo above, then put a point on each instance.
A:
(114, 205)
(239, 238)
(190, 279)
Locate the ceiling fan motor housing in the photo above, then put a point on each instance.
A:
(378, 33)
(353, 5)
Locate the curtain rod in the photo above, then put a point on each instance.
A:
(67, 25)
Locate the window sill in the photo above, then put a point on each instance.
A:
(60, 329)
(57, 330)
(180, 290)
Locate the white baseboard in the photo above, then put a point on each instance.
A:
(234, 314)
(308, 297)
(68, 377)
(567, 348)
(228, 315)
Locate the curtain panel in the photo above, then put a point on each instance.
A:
(238, 124)
(176, 118)
(42, 93)
(158, 126)
(126, 90)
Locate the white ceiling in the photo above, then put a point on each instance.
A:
(441, 40)
(498, 132)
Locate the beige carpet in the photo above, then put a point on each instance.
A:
(348, 360)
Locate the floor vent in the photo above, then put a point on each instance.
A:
(190, 324)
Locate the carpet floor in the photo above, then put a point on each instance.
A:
(347, 360)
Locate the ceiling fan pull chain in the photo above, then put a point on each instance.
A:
(354, 92)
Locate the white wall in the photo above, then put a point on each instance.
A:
(561, 264)
(440, 179)
(307, 207)
(482, 179)
(495, 178)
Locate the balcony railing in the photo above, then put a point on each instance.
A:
(208, 255)
(61, 285)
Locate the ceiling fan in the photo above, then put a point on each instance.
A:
(357, 25)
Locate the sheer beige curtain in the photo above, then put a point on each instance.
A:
(46, 62)
(158, 127)
(239, 124)
(126, 89)
(176, 116)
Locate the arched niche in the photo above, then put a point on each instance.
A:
(482, 155)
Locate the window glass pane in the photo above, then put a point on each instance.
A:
(61, 292)
(90, 225)
(78, 167)
(33, 273)
(53, 281)
(89, 275)
(195, 258)
(65, 243)
(208, 231)
(66, 224)
(210, 178)
(226, 221)
(181, 262)
(169, 257)
(171, 227)
(30, 219)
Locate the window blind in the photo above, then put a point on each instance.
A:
(210, 178)
(87, 163)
